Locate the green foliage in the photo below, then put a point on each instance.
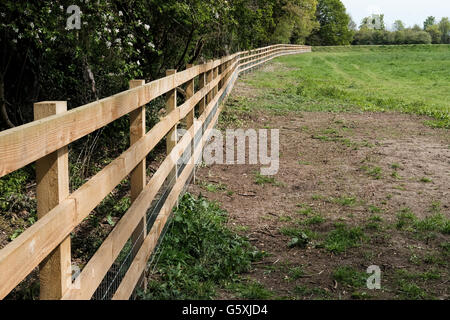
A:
(444, 28)
(307, 292)
(198, 252)
(407, 79)
(11, 187)
(251, 290)
(343, 238)
(317, 219)
(296, 273)
(348, 276)
(334, 25)
(429, 22)
(263, 180)
(367, 36)
(405, 218)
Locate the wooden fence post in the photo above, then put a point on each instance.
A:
(189, 94)
(171, 139)
(52, 175)
(209, 78)
(221, 68)
(138, 177)
(215, 75)
(190, 90)
(201, 85)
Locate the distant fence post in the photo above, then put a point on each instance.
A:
(209, 78)
(190, 90)
(189, 94)
(215, 76)
(201, 85)
(138, 177)
(52, 175)
(172, 139)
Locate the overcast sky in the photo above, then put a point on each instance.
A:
(409, 11)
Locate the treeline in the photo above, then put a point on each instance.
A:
(373, 32)
(41, 59)
(120, 40)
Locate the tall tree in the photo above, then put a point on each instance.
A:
(399, 25)
(294, 20)
(429, 22)
(435, 33)
(444, 27)
(334, 22)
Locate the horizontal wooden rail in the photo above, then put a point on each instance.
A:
(23, 145)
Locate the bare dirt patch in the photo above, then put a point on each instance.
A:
(361, 170)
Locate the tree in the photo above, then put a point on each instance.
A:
(334, 22)
(294, 20)
(399, 25)
(416, 27)
(444, 27)
(435, 33)
(429, 22)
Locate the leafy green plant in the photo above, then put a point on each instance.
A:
(198, 253)
(343, 238)
(405, 218)
(252, 290)
(348, 276)
(296, 273)
(262, 180)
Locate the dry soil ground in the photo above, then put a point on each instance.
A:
(355, 190)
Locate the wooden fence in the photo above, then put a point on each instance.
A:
(47, 242)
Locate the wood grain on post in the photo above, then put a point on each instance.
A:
(52, 175)
(209, 78)
(190, 118)
(189, 94)
(138, 176)
(216, 75)
(201, 85)
(171, 139)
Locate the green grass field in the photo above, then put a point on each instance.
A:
(410, 79)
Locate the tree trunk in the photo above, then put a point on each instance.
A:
(3, 111)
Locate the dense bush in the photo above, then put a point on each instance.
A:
(377, 37)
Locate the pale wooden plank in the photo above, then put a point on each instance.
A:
(138, 177)
(52, 175)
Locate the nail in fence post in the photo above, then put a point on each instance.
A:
(52, 175)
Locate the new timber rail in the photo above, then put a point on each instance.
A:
(46, 244)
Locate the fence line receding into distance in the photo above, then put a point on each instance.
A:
(45, 141)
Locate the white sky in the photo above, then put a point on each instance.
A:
(409, 11)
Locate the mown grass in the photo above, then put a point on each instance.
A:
(410, 79)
